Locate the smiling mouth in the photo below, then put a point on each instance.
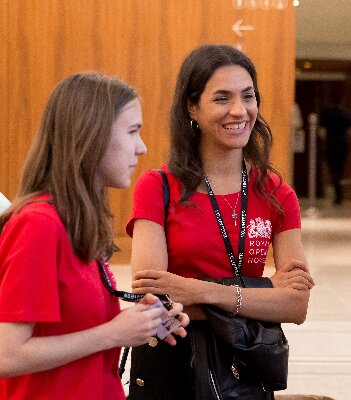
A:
(229, 127)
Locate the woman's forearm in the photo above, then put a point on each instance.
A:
(272, 304)
(21, 353)
(276, 304)
(43, 353)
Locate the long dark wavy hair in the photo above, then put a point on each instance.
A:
(71, 140)
(185, 159)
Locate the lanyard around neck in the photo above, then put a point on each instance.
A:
(235, 264)
(126, 296)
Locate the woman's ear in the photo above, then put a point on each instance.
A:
(191, 109)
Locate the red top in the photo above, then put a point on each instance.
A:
(195, 245)
(43, 281)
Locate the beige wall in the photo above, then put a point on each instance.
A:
(141, 41)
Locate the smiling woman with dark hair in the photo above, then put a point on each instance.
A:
(219, 154)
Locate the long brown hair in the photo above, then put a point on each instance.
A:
(185, 160)
(71, 140)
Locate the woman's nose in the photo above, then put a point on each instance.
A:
(140, 147)
(237, 108)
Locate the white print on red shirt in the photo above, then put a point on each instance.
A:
(258, 228)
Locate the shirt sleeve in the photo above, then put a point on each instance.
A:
(28, 269)
(148, 200)
(291, 218)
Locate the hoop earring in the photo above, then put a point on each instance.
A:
(194, 125)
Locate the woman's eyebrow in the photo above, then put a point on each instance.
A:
(221, 91)
(224, 91)
(138, 126)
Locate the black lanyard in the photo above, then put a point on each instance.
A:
(235, 264)
(126, 296)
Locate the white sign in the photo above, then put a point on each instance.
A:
(264, 4)
(238, 28)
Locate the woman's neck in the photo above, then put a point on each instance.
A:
(223, 171)
(222, 162)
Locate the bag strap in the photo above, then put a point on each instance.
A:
(166, 191)
(166, 202)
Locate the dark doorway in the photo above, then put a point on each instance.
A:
(313, 89)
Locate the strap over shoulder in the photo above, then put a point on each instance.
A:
(166, 191)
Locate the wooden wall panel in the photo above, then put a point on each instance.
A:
(143, 42)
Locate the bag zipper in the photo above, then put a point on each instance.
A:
(214, 387)
(234, 370)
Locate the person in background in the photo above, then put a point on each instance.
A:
(336, 120)
(218, 136)
(60, 328)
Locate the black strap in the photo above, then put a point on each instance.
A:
(126, 296)
(235, 264)
(166, 191)
(166, 201)
(122, 364)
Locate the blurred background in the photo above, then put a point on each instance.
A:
(302, 51)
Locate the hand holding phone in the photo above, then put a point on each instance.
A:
(169, 324)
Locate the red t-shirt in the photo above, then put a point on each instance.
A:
(195, 245)
(43, 281)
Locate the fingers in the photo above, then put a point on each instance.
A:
(148, 274)
(147, 289)
(148, 299)
(143, 320)
(309, 280)
(298, 286)
(177, 308)
(295, 268)
(151, 313)
(141, 286)
(143, 283)
(138, 324)
(287, 278)
(184, 319)
(295, 277)
(303, 277)
(291, 264)
(180, 332)
(170, 339)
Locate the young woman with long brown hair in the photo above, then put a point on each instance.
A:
(60, 328)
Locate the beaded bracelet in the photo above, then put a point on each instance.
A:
(239, 299)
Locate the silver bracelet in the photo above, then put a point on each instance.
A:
(239, 299)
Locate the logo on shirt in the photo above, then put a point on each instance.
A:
(259, 228)
(259, 232)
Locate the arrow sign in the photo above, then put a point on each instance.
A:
(238, 28)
